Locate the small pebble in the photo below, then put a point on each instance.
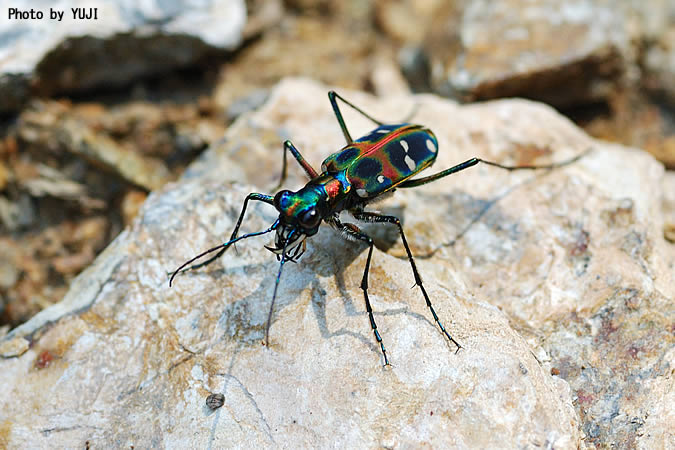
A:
(215, 401)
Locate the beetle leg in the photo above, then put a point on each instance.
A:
(309, 170)
(379, 218)
(333, 96)
(473, 161)
(353, 232)
(252, 196)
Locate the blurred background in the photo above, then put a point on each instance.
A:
(115, 98)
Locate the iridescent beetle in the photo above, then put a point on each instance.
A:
(365, 169)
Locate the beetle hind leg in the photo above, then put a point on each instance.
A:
(473, 161)
(379, 218)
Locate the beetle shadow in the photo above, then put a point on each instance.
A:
(245, 319)
(339, 261)
(468, 210)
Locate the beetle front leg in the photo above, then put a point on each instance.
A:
(233, 238)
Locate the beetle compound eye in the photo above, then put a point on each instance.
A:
(310, 218)
(281, 200)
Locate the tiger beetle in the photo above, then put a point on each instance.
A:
(366, 168)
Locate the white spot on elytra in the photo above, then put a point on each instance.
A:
(409, 162)
(383, 131)
(361, 193)
(380, 179)
(431, 146)
(323, 168)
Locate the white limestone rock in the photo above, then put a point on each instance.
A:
(130, 361)
(107, 43)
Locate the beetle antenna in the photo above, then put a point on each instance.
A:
(221, 247)
(276, 286)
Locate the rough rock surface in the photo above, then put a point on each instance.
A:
(560, 53)
(653, 25)
(124, 40)
(660, 65)
(565, 281)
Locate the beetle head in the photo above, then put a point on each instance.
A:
(300, 215)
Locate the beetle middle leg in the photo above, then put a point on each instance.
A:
(379, 218)
(353, 232)
(334, 96)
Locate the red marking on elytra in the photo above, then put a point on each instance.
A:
(371, 147)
